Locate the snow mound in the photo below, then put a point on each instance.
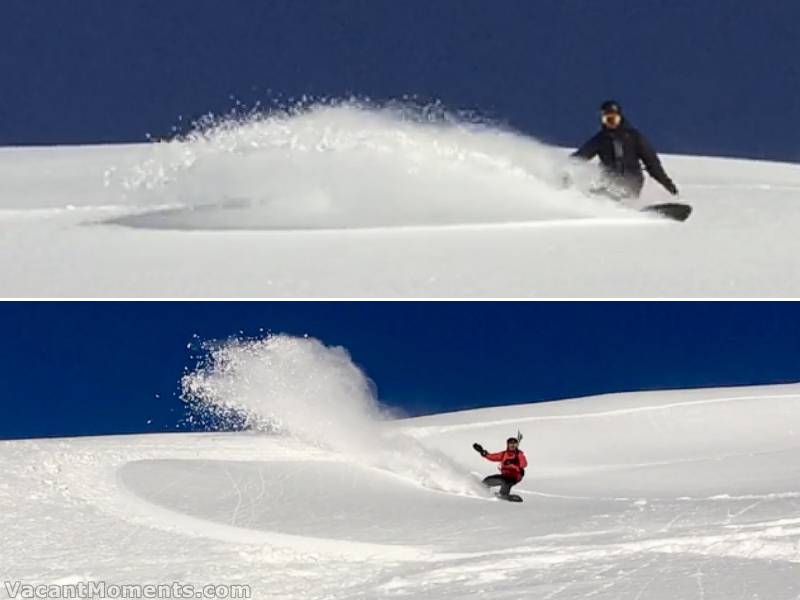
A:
(682, 493)
(354, 166)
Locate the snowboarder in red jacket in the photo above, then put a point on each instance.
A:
(512, 465)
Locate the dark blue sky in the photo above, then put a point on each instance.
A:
(88, 368)
(697, 77)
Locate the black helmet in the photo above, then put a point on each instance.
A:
(611, 106)
(512, 439)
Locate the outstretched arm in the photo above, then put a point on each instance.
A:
(589, 149)
(653, 165)
(494, 456)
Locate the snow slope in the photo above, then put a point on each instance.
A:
(351, 201)
(661, 495)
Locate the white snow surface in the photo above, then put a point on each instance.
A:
(669, 494)
(353, 201)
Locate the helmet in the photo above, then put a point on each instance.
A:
(611, 106)
(512, 439)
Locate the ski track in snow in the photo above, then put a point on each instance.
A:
(422, 431)
(296, 522)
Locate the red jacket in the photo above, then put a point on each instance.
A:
(512, 464)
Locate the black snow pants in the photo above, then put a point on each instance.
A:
(505, 483)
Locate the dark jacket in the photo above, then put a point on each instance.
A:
(621, 151)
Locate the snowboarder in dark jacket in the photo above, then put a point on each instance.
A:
(622, 149)
(512, 465)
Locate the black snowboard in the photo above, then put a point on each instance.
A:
(672, 210)
(510, 497)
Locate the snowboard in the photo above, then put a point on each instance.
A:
(510, 498)
(672, 210)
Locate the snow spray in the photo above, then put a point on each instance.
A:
(353, 164)
(301, 388)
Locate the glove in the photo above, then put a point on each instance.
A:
(479, 449)
(671, 188)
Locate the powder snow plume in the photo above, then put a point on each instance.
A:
(299, 387)
(353, 165)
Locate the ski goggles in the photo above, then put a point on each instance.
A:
(611, 118)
